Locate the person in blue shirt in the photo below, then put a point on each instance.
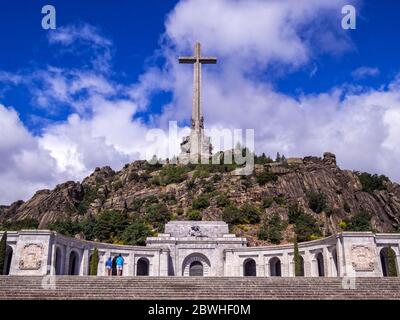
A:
(120, 264)
(109, 266)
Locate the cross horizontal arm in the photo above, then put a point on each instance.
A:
(208, 60)
(187, 60)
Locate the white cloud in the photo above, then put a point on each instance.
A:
(250, 38)
(365, 72)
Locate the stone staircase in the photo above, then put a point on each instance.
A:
(183, 288)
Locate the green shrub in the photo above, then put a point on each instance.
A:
(262, 233)
(17, 225)
(265, 177)
(370, 183)
(267, 202)
(109, 225)
(190, 184)
(231, 215)
(263, 159)
(158, 213)
(194, 215)
(136, 233)
(316, 201)
(275, 228)
(305, 225)
(223, 201)
(249, 214)
(280, 200)
(361, 221)
(172, 174)
(201, 202)
(66, 227)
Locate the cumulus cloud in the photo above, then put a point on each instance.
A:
(365, 72)
(251, 39)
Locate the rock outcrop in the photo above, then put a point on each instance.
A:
(124, 190)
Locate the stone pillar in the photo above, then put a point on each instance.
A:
(341, 262)
(164, 254)
(260, 266)
(53, 260)
(229, 264)
(266, 264)
(308, 264)
(327, 262)
(84, 268)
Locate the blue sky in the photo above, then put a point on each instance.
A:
(286, 69)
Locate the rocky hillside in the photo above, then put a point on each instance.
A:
(268, 206)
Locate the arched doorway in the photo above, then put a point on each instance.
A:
(58, 262)
(275, 267)
(74, 265)
(249, 268)
(320, 265)
(388, 262)
(196, 264)
(7, 264)
(142, 267)
(196, 269)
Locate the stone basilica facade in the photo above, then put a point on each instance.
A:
(200, 248)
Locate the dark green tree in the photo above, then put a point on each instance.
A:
(94, 262)
(136, 233)
(297, 259)
(3, 251)
(316, 201)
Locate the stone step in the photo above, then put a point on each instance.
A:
(73, 287)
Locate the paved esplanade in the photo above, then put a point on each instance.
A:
(197, 144)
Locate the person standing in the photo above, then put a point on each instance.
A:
(109, 266)
(120, 264)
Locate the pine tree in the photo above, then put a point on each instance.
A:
(3, 252)
(297, 259)
(94, 261)
(392, 270)
(278, 157)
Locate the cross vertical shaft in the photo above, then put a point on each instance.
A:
(197, 144)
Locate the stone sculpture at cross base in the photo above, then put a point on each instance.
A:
(197, 146)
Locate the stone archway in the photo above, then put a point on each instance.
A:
(196, 264)
(320, 265)
(74, 263)
(275, 267)
(142, 267)
(7, 263)
(249, 268)
(388, 262)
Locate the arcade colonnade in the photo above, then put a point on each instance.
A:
(209, 252)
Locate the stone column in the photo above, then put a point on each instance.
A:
(327, 262)
(266, 264)
(341, 262)
(84, 269)
(53, 260)
(260, 266)
(308, 264)
(164, 254)
(66, 260)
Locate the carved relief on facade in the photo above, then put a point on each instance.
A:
(31, 257)
(362, 258)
